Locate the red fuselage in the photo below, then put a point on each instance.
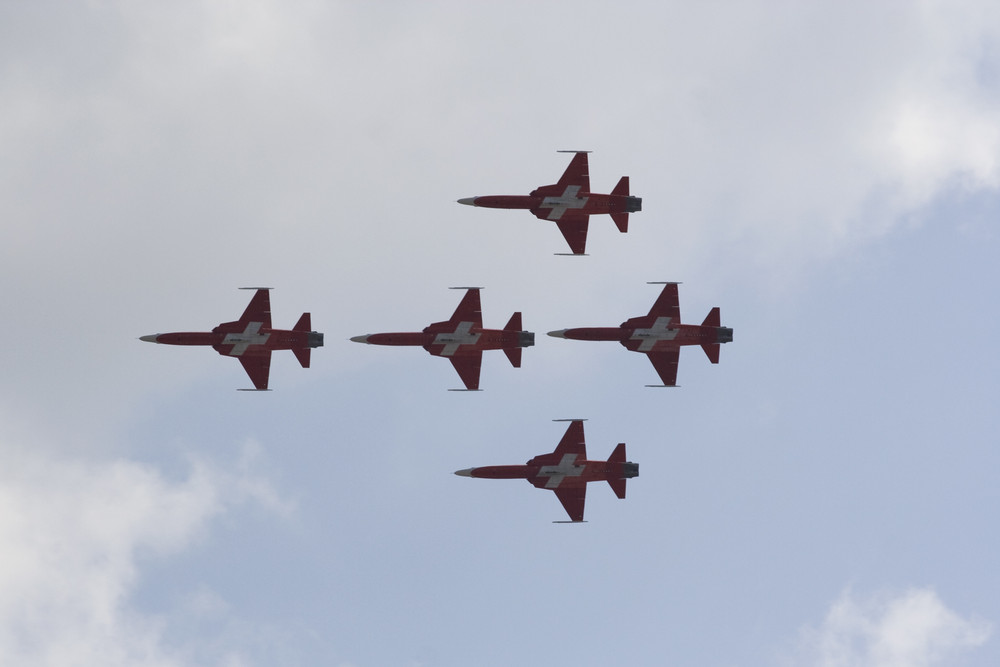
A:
(570, 475)
(266, 339)
(644, 334)
(589, 204)
(473, 340)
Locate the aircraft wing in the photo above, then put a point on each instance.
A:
(574, 229)
(257, 366)
(468, 366)
(469, 309)
(665, 363)
(259, 310)
(667, 304)
(577, 173)
(572, 443)
(573, 499)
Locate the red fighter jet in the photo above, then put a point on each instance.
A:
(567, 471)
(462, 339)
(570, 203)
(660, 334)
(251, 339)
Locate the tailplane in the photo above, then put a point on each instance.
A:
(714, 320)
(711, 351)
(302, 354)
(304, 323)
(525, 338)
(621, 218)
(617, 459)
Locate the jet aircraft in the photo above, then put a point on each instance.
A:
(660, 334)
(567, 471)
(570, 203)
(251, 338)
(462, 339)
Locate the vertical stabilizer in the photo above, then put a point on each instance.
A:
(615, 462)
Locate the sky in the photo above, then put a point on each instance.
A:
(828, 174)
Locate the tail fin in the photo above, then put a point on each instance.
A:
(304, 324)
(302, 353)
(614, 461)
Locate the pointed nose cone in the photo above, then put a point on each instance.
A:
(468, 201)
(465, 473)
(360, 339)
(150, 339)
(558, 334)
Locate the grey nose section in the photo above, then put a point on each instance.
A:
(149, 339)
(468, 201)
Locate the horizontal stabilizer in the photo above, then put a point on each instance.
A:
(616, 459)
(515, 323)
(304, 323)
(302, 353)
(618, 486)
(621, 217)
(621, 190)
(712, 351)
(514, 354)
(621, 220)
(713, 319)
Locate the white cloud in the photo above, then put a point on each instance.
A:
(72, 534)
(910, 629)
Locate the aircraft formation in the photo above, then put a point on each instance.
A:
(462, 339)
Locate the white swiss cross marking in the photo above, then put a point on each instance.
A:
(241, 341)
(556, 473)
(451, 341)
(569, 199)
(658, 332)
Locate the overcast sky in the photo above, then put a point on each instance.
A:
(825, 173)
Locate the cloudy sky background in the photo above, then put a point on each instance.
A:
(826, 174)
